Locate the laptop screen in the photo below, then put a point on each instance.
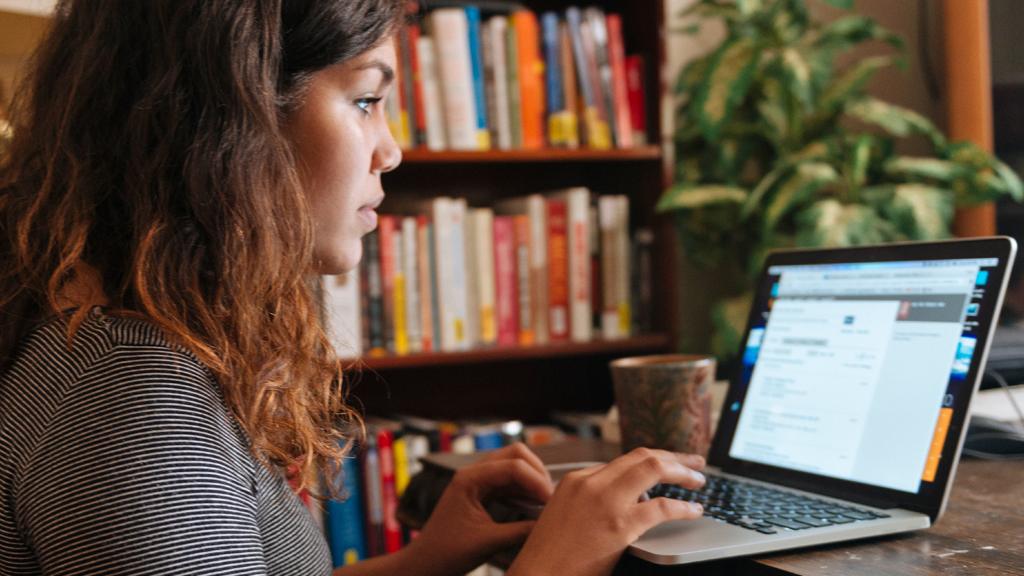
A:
(858, 363)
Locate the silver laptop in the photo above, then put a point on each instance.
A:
(847, 414)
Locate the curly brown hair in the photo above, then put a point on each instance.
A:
(148, 145)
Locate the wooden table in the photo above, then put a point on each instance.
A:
(982, 532)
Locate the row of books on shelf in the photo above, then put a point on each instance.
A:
(363, 523)
(533, 270)
(517, 81)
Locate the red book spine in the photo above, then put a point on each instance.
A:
(420, 132)
(392, 530)
(388, 225)
(635, 91)
(617, 55)
(426, 287)
(505, 281)
(527, 331)
(558, 271)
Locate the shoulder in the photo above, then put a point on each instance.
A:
(120, 389)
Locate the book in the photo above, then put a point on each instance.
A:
(577, 214)
(642, 280)
(615, 302)
(506, 281)
(343, 313)
(515, 112)
(410, 257)
(374, 289)
(449, 250)
(482, 247)
(531, 83)
(535, 208)
(406, 87)
(594, 121)
(389, 501)
(617, 58)
(472, 277)
(398, 289)
(433, 102)
(635, 92)
(595, 22)
(477, 67)
(419, 124)
(496, 31)
(425, 276)
(553, 80)
(558, 270)
(524, 288)
(374, 504)
(344, 518)
(572, 101)
(450, 31)
(387, 225)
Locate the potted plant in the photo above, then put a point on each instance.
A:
(777, 147)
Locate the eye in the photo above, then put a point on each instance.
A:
(367, 104)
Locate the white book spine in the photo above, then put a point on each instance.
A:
(578, 222)
(450, 32)
(482, 246)
(497, 29)
(433, 105)
(450, 218)
(342, 313)
(412, 286)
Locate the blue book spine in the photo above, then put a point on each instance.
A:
(345, 519)
(574, 18)
(477, 62)
(553, 62)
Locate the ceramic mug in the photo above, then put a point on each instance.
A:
(665, 401)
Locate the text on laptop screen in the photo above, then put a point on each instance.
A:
(840, 354)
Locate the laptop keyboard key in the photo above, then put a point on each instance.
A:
(786, 523)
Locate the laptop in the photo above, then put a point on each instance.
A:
(847, 414)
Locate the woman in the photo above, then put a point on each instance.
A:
(180, 173)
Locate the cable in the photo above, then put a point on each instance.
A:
(1009, 393)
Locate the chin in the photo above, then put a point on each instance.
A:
(334, 262)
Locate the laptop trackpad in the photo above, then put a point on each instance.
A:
(682, 535)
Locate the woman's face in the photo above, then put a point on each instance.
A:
(342, 146)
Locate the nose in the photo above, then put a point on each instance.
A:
(387, 155)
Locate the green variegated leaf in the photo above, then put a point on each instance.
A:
(895, 120)
(845, 32)
(1013, 184)
(691, 75)
(852, 82)
(928, 168)
(920, 212)
(773, 111)
(813, 151)
(729, 77)
(805, 181)
(688, 197)
(798, 74)
(860, 157)
(831, 223)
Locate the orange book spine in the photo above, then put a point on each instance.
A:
(617, 55)
(531, 78)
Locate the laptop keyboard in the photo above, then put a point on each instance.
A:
(763, 509)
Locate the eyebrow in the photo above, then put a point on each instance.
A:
(385, 70)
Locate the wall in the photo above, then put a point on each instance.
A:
(19, 34)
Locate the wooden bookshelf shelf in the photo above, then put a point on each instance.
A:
(422, 156)
(639, 344)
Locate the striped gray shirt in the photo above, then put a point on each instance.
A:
(121, 457)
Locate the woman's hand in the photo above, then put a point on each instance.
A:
(597, 512)
(460, 535)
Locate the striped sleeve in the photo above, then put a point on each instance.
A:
(144, 472)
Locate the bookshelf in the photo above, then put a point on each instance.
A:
(528, 383)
